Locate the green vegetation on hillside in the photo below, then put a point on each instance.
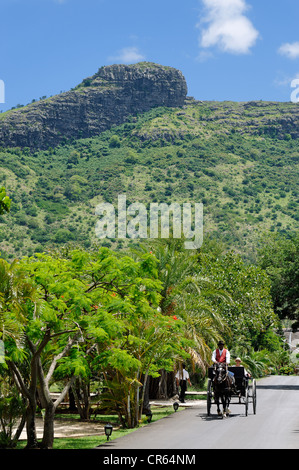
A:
(220, 154)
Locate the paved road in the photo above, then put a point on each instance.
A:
(275, 425)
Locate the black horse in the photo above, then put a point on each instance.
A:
(223, 387)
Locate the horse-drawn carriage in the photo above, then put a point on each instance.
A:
(221, 388)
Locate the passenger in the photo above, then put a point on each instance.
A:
(238, 364)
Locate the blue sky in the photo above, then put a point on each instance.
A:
(236, 50)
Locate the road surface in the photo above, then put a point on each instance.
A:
(274, 426)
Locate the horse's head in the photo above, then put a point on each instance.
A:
(220, 372)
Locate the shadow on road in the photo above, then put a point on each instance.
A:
(215, 417)
(278, 387)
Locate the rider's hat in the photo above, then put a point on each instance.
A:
(220, 342)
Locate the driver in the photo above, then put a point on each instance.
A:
(222, 355)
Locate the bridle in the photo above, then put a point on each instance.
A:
(218, 378)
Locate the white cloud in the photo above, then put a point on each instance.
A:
(128, 55)
(290, 50)
(227, 27)
(285, 80)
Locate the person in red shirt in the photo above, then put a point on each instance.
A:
(221, 354)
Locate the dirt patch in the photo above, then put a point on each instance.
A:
(68, 428)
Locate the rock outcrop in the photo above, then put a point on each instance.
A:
(107, 98)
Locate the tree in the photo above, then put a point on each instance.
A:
(251, 314)
(279, 257)
(140, 339)
(15, 293)
(114, 141)
(149, 342)
(49, 330)
(5, 202)
(87, 306)
(188, 296)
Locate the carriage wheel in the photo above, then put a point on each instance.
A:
(246, 401)
(254, 396)
(209, 397)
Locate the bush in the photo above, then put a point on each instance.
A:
(63, 235)
(286, 370)
(21, 218)
(114, 142)
(11, 409)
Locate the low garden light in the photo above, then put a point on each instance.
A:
(175, 406)
(108, 430)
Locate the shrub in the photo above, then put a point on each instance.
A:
(11, 409)
(114, 142)
(63, 235)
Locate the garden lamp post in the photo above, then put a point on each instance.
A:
(108, 430)
(175, 406)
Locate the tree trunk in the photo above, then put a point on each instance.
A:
(86, 400)
(146, 408)
(72, 402)
(77, 394)
(29, 394)
(19, 430)
(81, 394)
(162, 390)
(30, 424)
(48, 436)
(31, 408)
(162, 387)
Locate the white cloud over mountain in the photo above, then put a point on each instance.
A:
(224, 25)
(290, 50)
(128, 55)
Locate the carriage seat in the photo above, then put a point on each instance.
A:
(241, 380)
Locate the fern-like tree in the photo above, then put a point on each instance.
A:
(15, 293)
(87, 307)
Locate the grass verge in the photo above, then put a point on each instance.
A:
(90, 442)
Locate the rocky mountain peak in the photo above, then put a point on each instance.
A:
(107, 98)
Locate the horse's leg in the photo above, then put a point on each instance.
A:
(223, 399)
(217, 403)
(226, 409)
(228, 402)
(227, 396)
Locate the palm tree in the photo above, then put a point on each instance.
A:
(190, 296)
(204, 324)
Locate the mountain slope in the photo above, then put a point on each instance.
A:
(239, 159)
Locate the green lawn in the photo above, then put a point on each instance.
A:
(89, 442)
